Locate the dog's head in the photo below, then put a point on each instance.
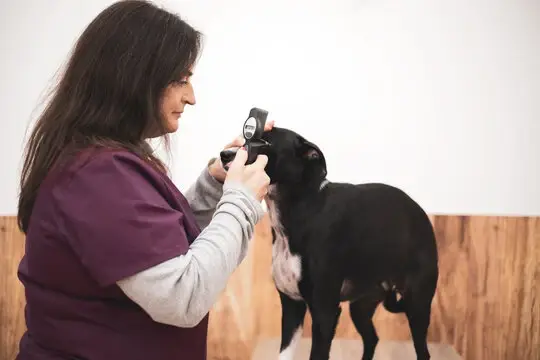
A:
(292, 159)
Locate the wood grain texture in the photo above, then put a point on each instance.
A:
(487, 305)
(232, 333)
(12, 301)
(348, 349)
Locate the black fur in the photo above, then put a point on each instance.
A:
(372, 235)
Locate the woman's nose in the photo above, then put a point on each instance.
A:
(189, 96)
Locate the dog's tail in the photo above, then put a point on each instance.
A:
(391, 302)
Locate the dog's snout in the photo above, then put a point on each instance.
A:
(228, 155)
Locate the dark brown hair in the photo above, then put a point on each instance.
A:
(110, 92)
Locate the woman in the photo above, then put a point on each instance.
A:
(116, 266)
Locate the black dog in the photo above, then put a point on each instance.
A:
(336, 242)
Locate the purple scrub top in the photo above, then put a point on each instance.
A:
(105, 215)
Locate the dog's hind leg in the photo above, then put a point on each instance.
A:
(361, 312)
(418, 297)
(292, 321)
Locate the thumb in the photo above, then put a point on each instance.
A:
(261, 162)
(239, 159)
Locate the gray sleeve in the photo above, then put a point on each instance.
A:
(203, 197)
(181, 291)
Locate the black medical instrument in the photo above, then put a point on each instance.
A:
(252, 131)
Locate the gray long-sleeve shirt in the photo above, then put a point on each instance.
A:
(181, 291)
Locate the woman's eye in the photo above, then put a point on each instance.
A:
(180, 82)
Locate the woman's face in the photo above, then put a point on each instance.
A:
(175, 98)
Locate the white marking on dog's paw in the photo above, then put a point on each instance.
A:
(289, 352)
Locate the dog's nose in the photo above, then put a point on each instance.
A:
(227, 156)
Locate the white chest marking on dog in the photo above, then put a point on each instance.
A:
(286, 267)
(289, 352)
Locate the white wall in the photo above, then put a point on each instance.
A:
(437, 97)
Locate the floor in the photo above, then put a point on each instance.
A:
(352, 349)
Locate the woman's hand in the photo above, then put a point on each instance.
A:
(216, 167)
(252, 176)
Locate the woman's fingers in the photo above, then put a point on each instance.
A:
(239, 160)
(237, 142)
(269, 125)
(260, 163)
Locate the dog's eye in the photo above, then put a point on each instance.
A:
(312, 154)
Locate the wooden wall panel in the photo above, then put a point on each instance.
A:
(12, 323)
(488, 300)
(487, 304)
(232, 333)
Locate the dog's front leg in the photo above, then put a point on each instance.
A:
(325, 311)
(292, 321)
